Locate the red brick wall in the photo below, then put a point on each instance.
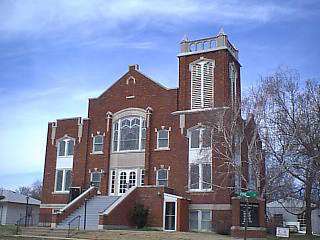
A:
(151, 198)
(183, 215)
(163, 102)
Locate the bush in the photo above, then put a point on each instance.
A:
(139, 215)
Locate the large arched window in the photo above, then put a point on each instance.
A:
(129, 133)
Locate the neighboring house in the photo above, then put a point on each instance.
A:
(13, 207)
(290, 211)
(143, 142)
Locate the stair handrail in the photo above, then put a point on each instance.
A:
(73, 205)
(71, 221)
(118, 201)
(77, 199)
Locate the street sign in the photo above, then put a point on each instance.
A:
(282, 232)
(249, 194)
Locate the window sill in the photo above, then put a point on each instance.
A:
(162, 149)
(129, 151)
(96, 153)
(60, 192)
(200, 191)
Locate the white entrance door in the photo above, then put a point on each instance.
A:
(126, 180)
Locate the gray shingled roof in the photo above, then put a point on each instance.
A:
(13, 197)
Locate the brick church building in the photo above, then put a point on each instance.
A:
(145, 143)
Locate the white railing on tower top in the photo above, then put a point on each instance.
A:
(207, 44)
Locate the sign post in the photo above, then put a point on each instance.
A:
(246, 196)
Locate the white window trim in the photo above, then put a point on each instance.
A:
(201, 129)
(66, 140)
(163, 148)
(63, 181)
(199, 212)
(127, 171)
(119, 134)
(93, 173)
(157, 177)
(93, 144)
(200, 189)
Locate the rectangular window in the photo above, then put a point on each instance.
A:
(193, 220)
(143, 134)
(95, 179)
(206, 176)
(98, 144)
(67, 182)
(142, 177)
(62, 148)
(63, 180)
(195, 138)
(206, 220)
(200, 220)
(200, 176)
(194, 176)
(113, 181)
(206, 138)
(65, 147)
(115, 136)
(70, 148)
(163, 139)
(162, 177)
(59, 180)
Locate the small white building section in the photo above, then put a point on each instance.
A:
(13, 207)
(291, 211)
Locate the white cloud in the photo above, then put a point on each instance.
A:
(38, 18)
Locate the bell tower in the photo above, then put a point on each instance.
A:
(209, 73)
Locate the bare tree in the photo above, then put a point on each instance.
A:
(34, 190)
(289, 121)
(233, 146)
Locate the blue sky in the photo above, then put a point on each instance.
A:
(55, 54)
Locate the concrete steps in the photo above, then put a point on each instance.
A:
(94, 206)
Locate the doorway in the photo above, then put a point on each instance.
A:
(126, 180)
(170, 218)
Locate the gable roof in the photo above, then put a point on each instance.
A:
(14, 197)
(139, 72)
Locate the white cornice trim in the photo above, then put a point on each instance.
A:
(190, 111)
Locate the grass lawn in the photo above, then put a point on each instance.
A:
(295, 237)
(7, 230)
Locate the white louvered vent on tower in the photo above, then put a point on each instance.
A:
(202, 84)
